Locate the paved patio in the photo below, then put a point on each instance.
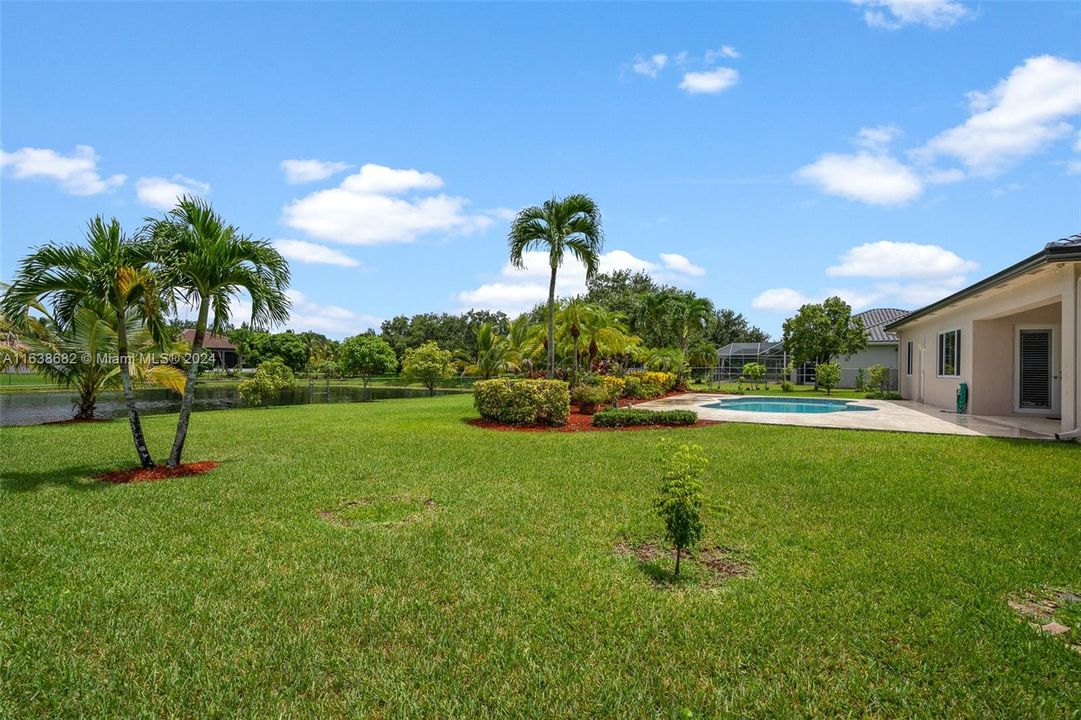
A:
(897, 416)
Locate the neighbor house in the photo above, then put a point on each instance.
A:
(1013, 340)
(225, 354)
(881, 347)
(881, 350)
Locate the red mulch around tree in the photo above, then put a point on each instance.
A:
(577, 422)
(157, 473)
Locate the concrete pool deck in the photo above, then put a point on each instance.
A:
(889, 415)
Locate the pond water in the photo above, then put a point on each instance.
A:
(34, 408)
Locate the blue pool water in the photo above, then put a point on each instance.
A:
(788, 405)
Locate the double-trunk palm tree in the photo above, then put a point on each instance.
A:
(112, 271)
(206, 263)
(559, 225)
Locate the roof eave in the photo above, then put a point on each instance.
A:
(1047, 255)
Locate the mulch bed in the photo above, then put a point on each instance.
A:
(577, 422)
(157, 473)
(77, 421)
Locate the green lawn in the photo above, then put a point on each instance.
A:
(882, 564)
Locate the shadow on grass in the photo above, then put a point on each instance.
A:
(666, 579)
(74, 478)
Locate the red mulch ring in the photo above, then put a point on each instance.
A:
(157, 473)
(577, 422)
(76, 421)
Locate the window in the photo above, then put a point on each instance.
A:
(949, 353)
(908, 359)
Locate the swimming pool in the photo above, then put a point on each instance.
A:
(788, 405)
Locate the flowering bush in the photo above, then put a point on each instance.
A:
(647, 385)
(523, 402)
(613, 387)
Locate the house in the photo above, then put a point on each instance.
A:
(881, 350)
(881, 347)
(1010, 343)
(225, 354)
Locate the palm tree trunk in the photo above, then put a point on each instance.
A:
(575, 361)
(189, 387)
(552, 325)
(129, 394)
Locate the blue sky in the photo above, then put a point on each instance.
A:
(759, 154)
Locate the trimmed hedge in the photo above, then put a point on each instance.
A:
(523, 402)
(635, 416)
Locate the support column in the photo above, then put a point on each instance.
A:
(1070, 382)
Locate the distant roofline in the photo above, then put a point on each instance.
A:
(1065, 250)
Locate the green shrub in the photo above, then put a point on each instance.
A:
(679, 503)
(828, 375)
(269, 379)
(589, 394)
(787, 386)
(883, 395)
(861, 379)
(523, 402)
(879, 377)
(637, 416)
(428, 365)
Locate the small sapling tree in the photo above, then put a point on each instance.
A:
(828, 375)
(679, 503)
(755, 372)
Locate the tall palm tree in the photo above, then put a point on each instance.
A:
(207, 262)
(114, 271)
(570, 224)
(691, 315)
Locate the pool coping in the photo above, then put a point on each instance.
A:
(890, 416)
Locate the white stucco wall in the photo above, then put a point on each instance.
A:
(1048, 296)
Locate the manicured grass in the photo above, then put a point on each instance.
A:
(881, 567)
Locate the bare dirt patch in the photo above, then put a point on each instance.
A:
(132, 475)
(1054, 611)
(703, 567)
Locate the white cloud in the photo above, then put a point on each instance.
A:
(1018, 117)
(313, 253)
(878, 138)
(650, 66)
(680, 264)
(518, 290)
(76, 174)
(709, 81)
(364, 209)
(162, 193)
(383, 180)
(907, 275)
(724, 51)
(895, 14)
(780, 300)
(332, 320)
(886, 259)
(876, 179)
(306, 171)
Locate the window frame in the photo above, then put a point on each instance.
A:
(941, 355)
(908, 358)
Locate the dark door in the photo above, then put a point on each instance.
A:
(1034, 369)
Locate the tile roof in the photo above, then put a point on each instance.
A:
(875, 321)
(210, 340)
